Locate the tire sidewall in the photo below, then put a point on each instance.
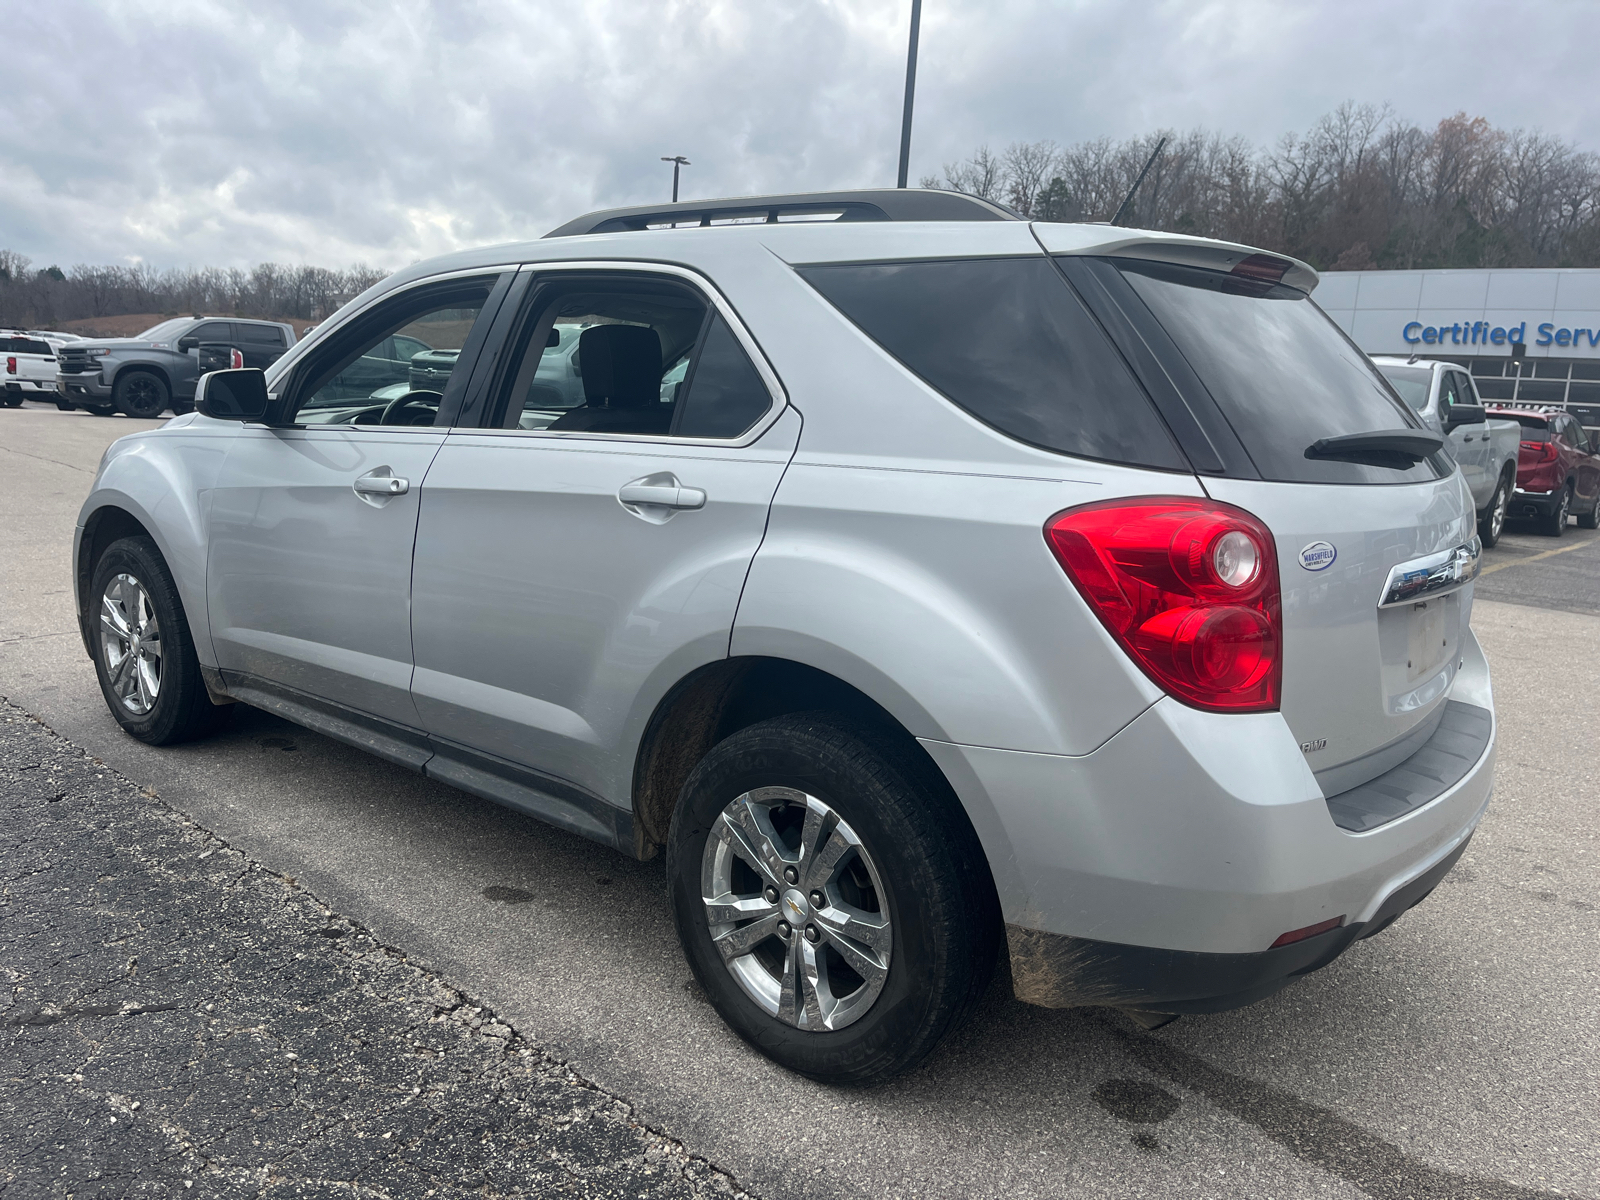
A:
(139, 558)
(893, 1029)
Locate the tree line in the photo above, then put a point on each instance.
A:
(1362, 189)
(38, 298)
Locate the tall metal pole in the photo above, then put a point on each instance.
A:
(911, 91)
(677, 161)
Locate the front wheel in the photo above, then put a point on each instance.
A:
(143, 654)
(830, 897)
(1555, 521)
(140, 394)
(1493, 521)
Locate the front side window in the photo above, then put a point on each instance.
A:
(633, 356)
(392, 365)
(212, 331)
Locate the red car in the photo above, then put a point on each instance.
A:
(1558, 469)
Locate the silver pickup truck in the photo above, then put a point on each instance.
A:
(1444, 395)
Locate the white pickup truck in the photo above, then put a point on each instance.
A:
(30, 369)
(1444, 395)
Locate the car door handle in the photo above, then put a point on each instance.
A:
(665, 495)
(381, 482)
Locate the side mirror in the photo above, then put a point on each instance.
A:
(1464, 414)
(186, 344)
(232, 395)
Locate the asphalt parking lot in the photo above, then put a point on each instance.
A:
(1456, 1055)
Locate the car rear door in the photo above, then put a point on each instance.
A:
(260, 344)
(313, 518)
(574, 561)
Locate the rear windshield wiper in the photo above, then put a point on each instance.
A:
(1399, 449)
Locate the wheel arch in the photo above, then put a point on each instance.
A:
(721, 698)
(149, 368)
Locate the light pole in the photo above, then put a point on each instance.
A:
(678, 162)
(911, 90)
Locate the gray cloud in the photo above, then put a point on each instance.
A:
(208, 132)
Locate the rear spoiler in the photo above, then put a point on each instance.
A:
(1205, 253)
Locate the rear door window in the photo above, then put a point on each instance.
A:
(266, 335)
(1278, 368)
(1010, 342)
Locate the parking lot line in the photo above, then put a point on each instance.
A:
(1531, 558)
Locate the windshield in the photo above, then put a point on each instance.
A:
(1278, 368)
(166, 331)
(1412, 383)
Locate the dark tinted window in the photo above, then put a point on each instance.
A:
(1278, 368)
(1534, 429)
(1011, 343)
(212, 331)
(725, 395)
(267, 335)
(19, 345)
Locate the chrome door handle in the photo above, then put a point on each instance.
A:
(664, 495)
(381, 482)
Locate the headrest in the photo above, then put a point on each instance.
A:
(621, 366)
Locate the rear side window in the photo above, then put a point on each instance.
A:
(1011, 343)
(725, 396)
(266, 335)
(1280, 371)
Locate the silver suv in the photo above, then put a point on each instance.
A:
(929, 586)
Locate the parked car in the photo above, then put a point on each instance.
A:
(1558, 473)
(30, 369)
(1053, 630)
(145, 375)
(1445, 396)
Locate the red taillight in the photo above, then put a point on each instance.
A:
(1310, 931)
(1542, 452)
(11, 365)
(235, 359)
(1189, 588)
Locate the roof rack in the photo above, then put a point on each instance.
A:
(875, 204)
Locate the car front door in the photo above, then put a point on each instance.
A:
(314, 516)
(1468, 443)
(574, 560)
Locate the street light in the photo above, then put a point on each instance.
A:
(911, 88)
(678, 162)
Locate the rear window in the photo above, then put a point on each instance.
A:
(1008, 341)
(17, 345)
(1280, 371)
(1534, 429)
(1411, 382)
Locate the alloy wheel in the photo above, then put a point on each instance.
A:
(1497, 516)
(130, 641)
(142, 395)
(796, 908)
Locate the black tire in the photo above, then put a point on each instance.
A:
(12, 399)
(65, 405)
(181, 707)
(935, 889)
(1493, 522)
(1591, 518)
(101, 410)
(1554, 522)
(179, 407)
(141, 394)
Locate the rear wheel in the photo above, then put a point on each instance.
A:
(1591, 518)
(828, 899)
(140, 394)
(12, 399)
(1493, 521)
(1554, 523)
(101, 410)
(143, 653)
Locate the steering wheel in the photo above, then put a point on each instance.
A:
(421, 402)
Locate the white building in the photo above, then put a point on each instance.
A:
(1475, 318)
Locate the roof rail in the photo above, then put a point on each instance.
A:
(875, 204)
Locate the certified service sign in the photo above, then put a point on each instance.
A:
(1318, 556)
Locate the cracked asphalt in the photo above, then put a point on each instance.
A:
(1456, 1055)
(179, 1018)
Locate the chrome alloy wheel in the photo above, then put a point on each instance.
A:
(1497, 515)
(796, 908)
(130, 640)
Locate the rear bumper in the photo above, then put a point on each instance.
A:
(1161, 868)
(41, 387)
(1524, 501)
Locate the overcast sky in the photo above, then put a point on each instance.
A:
(211, 132)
